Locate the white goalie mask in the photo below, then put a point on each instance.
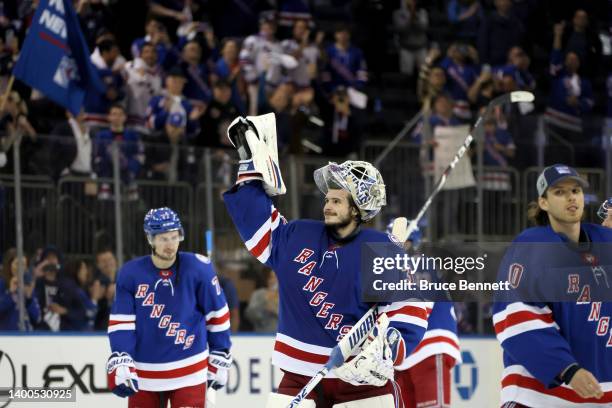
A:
(360, 179)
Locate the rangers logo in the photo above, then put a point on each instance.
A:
(515, 273)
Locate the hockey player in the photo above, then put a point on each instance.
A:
(169, 325)
(556, 354)
(318, 268)
(424, 378)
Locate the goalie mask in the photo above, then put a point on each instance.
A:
(363, 182)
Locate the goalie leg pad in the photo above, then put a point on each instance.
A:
(281, 401)
(381, 401)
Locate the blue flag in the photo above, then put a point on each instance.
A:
(54, 58)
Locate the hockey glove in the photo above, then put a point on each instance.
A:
(255, 139)
(122, 377)
(219, 363)
(374, 364)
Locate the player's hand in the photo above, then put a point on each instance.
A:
(122, 377)
(586, 385)
(219, 363)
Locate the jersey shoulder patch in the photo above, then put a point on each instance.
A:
(202, 258)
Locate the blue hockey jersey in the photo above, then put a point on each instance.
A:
(541, 339)
(319, 281)
(168, 326)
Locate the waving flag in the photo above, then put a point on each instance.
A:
(55, 59)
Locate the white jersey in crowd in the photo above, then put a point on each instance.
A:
(142, 83)
(308, 57)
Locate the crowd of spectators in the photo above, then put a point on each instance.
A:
(179, 73)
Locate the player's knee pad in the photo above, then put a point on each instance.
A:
(281, 401)
(381, 401)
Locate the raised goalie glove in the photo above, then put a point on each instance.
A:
(122, 377)
(374, 364)
(255, 139)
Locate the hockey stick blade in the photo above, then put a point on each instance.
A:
(521, 96)
(399, 228)
(345, 347)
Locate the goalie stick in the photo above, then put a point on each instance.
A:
(345, 347)
(512, 97)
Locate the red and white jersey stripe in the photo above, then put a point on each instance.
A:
(218, 320)
(520, 386)
(407, 312)
(118, 322)
(298, 357)
(260, 244)
(437, 341)
(519, 318)
(171, 376)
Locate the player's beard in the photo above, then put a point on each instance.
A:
(164, 257)
(340, 223)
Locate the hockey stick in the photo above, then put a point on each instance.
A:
(512, 97)
(345, 347)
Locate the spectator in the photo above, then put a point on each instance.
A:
(106, 273)
(442, 115)
(217, 117)
(89, 291)
(581, 39)
(171, 158)
(9, 311)
(498, 149)
(465, 17)
(228, 68)
(197, 89)
(306, 53)
(410, 24)
(130, 153)
(461, 72)
(157, 35)
(171, 13)
(72, 156)
(343, 136)
(94, 17)
(97, 105)
(482, 90)
(257, 56)
(499, 32)
(571, 94)
(57, 296)
(517, 68)
(432, 79)
(14, 123)
(173, 103)
(262, 310)
(345, 63)
(143, 77)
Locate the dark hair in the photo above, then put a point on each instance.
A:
(147, 44)
(7, 260)
(103, 250)
(536, 216)
(106, 45)
(71, 270)
(117, 106)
